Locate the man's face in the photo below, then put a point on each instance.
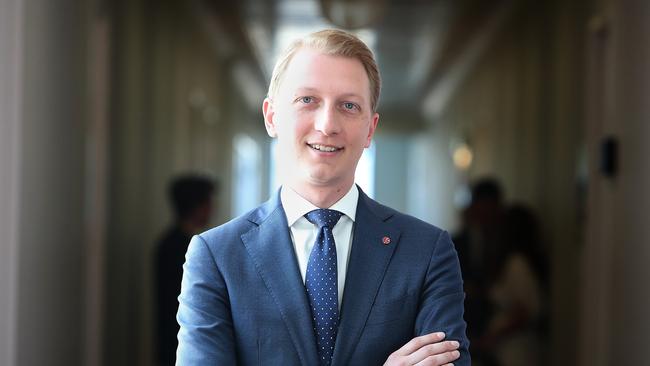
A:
(322, 119)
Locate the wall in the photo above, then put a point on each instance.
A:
(631, 298)
(11, 34)
(616, 320)
(42, 184)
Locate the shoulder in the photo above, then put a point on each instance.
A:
(244, 223)
(231, 231)
(417, 238)
(233, 228)
(407, 224)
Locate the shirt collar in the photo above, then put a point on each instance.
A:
(295, 206)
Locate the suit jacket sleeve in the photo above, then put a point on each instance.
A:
(206, 334)
(441, 306)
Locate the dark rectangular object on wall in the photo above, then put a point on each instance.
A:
(609, 157)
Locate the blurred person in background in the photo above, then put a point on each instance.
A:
(478, 242)
(191, 199)
(516, 330)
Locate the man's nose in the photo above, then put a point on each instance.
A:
(327, 121)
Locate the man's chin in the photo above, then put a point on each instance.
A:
(327, 179)
(319, 177)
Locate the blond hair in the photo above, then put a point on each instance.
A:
(336, 43)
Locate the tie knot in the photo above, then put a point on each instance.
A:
(323, 217)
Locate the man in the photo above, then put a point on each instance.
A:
(478, 245)
(321, 274)
(191, 199)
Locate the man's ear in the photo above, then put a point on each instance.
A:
(269, 117)
(372, 128)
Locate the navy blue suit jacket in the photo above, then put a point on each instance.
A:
(243, 301)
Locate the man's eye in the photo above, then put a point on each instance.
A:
(349, 105)
(306, 100)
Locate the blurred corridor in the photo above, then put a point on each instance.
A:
(104, 103)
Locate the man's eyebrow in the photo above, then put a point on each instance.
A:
(347, 95)
(307, 89)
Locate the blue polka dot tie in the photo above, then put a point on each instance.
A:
(321, 283)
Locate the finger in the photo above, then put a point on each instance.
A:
(418, 342)
(440, 359)
(432, 350)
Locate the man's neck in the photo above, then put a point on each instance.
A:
(321, 196)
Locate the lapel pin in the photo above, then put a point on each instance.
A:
(385, 240)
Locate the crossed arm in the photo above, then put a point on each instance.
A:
(207, 334)
(441, 308)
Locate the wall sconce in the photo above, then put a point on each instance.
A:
(462, 155)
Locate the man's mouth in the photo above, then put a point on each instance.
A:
(324, 148)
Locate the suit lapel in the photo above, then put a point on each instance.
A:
(369, 259)
(271, 249)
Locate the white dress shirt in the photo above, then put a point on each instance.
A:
(303, 232)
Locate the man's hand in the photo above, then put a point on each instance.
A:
(429, 350)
